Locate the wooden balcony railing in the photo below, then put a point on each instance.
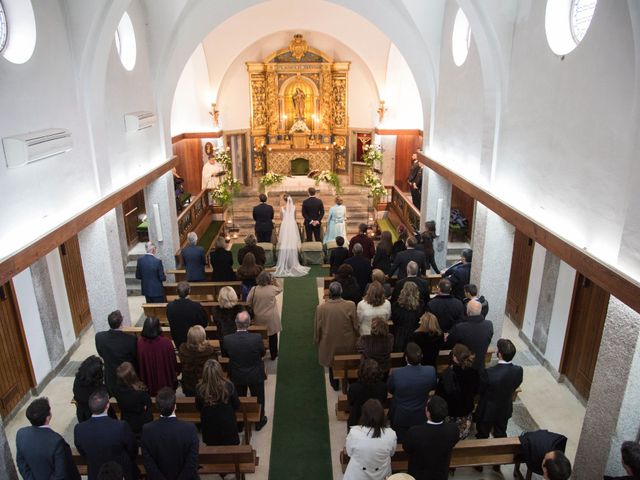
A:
(404, 210)
(191, 216)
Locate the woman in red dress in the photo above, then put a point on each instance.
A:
(156, 358)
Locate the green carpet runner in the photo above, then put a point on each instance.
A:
(300, 447)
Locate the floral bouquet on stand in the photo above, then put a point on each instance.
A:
(330, 178)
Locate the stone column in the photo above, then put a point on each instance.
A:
(9, 470)
(611, 416)
(47, 310)
(161, 193)
(103, 270)
(492, 251)
(434, 188)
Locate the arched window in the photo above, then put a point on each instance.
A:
(461, 38)
(17, 30)
(125, 40)
(3, 28)
(566, 23)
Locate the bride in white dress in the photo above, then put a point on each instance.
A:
(289, 243)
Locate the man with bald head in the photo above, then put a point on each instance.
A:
(475, 333)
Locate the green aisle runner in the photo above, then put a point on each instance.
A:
(300, 447)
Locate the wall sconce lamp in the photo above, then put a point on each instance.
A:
(381, 111)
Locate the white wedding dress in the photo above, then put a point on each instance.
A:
(289, 244)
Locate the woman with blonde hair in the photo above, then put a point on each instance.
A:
(217, 400)
(374, 304)
(224, 314)
(336, 222)
(193, 355)
(458, 385)
(378, 275)
(430, 338)
(263, 300)
(133, 398)
(406, 313)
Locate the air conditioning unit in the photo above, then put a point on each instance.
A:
(30, 147)
(135, 121)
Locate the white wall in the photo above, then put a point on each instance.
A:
(560, 315)
(61, 299)
(400, 94)
(37, 347)
(193, 97)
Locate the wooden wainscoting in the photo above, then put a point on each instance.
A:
(16, 374)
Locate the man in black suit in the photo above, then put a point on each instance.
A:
(263, 216)
(183, 314)
(41, 452)
(460, 274)
(194, 259)
(429, 445)
(475, 334)
(412, 276)
(312, 212)
(115, 347)
(150, 272)
(497, 386)
(556, 466)
(411, 254)
(361, 267)
(102, 439)
(447, 308)
(471, 293)
(246, 368)
(630, 452)
(170, 446)
(338, 255)
(410, 386)
(415, 181)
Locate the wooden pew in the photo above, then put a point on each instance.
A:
(180, 274)
(206, 291)
(211, 331)
(159, 310)
(249, 412)
(433, 280)
(229, 459)
(345, 367)
(467, 453)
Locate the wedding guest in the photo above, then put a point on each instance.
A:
(400, 244)
(251, 246)
(221, 261)
(224, 314)
(406, 313)
(89, 377)
(377, 345)
(365, 241)
(156, 358)
(193, 355)
(350, 288)
(369, 385)
(378, 275)
(248, 272)
(133, 398)
(429, 338)
(336, 222)
(338, 255)
(374, 304)
(263, 300)
(382, 258)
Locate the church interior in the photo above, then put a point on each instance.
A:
(524, 118)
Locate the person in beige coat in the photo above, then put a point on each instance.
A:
(262, 299)
(336, 329)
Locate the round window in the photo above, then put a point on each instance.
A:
(125, 40)
(17, 30)
(566, 23)
(461, 38)
(3, 28)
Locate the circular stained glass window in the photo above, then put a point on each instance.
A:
(581, 15)
(566, 23)
(3, 28)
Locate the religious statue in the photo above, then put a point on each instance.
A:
(298, 103)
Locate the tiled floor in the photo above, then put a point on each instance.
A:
(531, 411)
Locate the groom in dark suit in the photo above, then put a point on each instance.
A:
(263, 216)
(312, 211)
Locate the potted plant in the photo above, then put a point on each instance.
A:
(330, 178)
(222, 194)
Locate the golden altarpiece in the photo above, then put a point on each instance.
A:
(299, 120)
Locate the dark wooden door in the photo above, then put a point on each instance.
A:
(519, 277)
(582, 343)
(406, 146)
(133, 207)
(76, 286)
(16, 374)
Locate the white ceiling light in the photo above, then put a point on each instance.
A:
(461, 38)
